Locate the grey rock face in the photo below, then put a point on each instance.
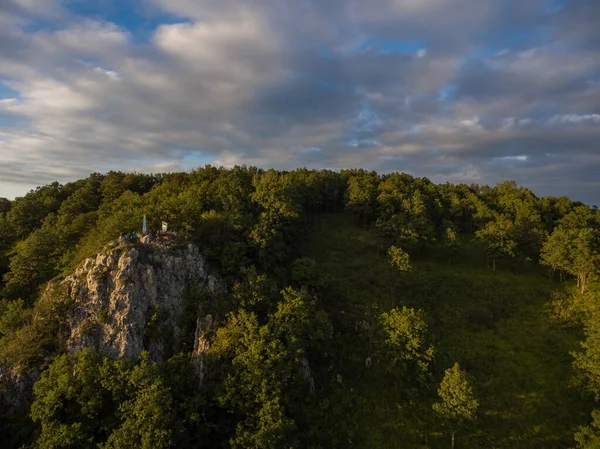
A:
(15, 388)
(305, 369)
(130, 298)
(204, 327)
(127, 299)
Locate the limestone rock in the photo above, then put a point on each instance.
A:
(130, 297)
(305, 369)
(204, 327)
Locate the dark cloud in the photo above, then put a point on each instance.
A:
(465, 91)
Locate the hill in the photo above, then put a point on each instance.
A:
(494, 323)
(297, 309)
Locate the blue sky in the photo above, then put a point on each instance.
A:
(455, 90)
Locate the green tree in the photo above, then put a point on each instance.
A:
(27, 213)
(145, 406)
(5, 205)
(405, 333)
(278, 226)
(588, 437)
(407, 207)
(523, 208)
(31, 335)
(87, 400)
(557, 252)
(253, 384)
(255, 292)
(585, 258)
(587, 361)
(575, 251)
(68, 402)
(457, 404)
(305, 271)
(122, 215)
(361, 194)
(7, 237)
(265, 382)
(497, 238)
(35, 262)
(13, 316)
(399, 259)
(451, 242)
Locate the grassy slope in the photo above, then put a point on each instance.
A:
(492, 323)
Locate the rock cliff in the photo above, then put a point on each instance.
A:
(130, 298)
(127, 299)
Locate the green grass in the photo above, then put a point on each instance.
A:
(492, 323)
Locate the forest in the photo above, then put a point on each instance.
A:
(355, 309)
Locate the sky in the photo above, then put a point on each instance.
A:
(474, 91)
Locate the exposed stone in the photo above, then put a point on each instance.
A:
(204, 326)
(16, 388)
(127, 299)
(307, 374)
(130, 298)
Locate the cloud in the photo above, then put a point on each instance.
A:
(575, 119)
(463, 91)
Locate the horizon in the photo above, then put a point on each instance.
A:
(462, 91)
(12, 198)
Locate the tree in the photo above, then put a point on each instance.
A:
(399, 258)
(7, 238)
(575, 251)
(588, 437)
(122, 215)
(145, 412)
(28, 212)
(31, 335)
(451, 242)
(361, 194)
(556, 252)
(252, 386)
(305, 271)
(35, 262)
(13, 316)
(586, 258)
(587, 362)
(255, 292)
(278, 198)
(5, 205)
(266, 382)
(68, 400)
(86, 399)
(457, 404)
(407, 207)
(497, 238)
(405, 333)
(523, 208)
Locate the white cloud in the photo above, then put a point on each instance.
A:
(269, 83)
(110, 74)
(241, 51)
(521, 158)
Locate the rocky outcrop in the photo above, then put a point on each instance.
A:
(305, 369)
(204, 329)
(16, 388)
(130, 298)
(127, 299)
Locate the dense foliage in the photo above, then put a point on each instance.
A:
(348, 296)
